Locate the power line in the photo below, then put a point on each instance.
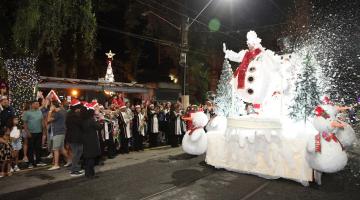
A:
(195, 12)
(183, 15)
(277, 7)
(150, 39)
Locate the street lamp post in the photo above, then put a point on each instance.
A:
(184, 46)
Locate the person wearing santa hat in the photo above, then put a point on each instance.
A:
(91, 145)
(125, 135)
(118, 100)
(74, 136)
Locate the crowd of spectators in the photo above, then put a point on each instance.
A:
(79, 135)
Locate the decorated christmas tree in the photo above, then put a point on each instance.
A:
(23, 78)
(223, 99)
(307, 92)
(109, 76)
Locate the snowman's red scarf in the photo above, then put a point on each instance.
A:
(241, 70)
(328, 137)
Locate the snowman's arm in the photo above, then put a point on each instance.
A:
(341, 108)
(336, 124)
(233, 56)
(274, 59)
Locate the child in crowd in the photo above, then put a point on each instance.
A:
(5, 154)
(15, 137)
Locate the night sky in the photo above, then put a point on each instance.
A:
(267, 17)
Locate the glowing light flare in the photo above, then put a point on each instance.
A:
(109, 93)
(214, 25)
(173, 78)
(74, 92)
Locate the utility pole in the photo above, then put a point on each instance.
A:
(183, 58)
(185, 48)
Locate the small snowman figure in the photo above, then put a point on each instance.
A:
(345, 134)
(325, 153)
(195, 139)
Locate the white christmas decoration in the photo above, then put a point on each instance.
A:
(109, 76)
(268, 142)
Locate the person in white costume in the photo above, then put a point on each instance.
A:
(346, 134)
(324, 151)
(195, 140)
(257, 78)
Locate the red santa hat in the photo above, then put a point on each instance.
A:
(53, 96)
(122, 105)
(90, 105)
(95, 102)
(75, 102)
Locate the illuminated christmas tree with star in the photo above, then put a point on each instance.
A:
(109, 76)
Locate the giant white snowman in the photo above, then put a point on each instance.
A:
(258, 77)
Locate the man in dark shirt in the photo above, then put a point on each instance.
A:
(74, 136)
(6, 113)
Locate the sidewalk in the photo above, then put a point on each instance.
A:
(40, 176)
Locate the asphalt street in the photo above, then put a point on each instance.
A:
(188, 177)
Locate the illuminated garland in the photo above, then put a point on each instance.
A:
(23, 78)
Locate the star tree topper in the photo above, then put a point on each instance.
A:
(110, 55)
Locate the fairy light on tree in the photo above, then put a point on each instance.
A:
(23, 78)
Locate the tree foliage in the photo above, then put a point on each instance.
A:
(223, 97)
(307, 94)
(42, 26)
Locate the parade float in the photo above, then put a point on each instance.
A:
(254, 132)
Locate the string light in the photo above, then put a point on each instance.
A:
(23, 78)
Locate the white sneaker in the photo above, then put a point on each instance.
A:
(67, 164)
(16, 168)
(11, 170)
(53, 168)
(41, 164)
(25, 160)
(50, 156)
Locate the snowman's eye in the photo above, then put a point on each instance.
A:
(252, 69)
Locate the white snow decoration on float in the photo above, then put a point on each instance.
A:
(218, 123)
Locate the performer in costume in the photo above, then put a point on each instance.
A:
(345, 134)
(325, 152)
(195, 140)
(176, 125)
(257, 76)
(154, 127)
(138, 128)
(125, 135)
